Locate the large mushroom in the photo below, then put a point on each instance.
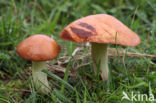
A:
(100, 30)
(39, 48)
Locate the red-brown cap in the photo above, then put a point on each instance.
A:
(100, 28)
(38, 48)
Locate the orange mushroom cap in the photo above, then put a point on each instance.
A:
(38, 48)
(100, 28)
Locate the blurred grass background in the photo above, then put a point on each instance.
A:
(22, 18)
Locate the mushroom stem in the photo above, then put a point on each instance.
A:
(100, 59)
(39, 77)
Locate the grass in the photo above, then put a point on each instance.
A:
(22, 18)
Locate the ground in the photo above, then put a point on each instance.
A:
(22, 18)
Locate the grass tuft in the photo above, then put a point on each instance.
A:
(22, 18)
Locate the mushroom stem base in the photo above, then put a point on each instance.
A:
(100, 59)
(39, 77)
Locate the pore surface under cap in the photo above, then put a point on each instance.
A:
(38, 48)
(100, 28)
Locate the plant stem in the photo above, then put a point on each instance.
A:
(39, 77)
(100, 59)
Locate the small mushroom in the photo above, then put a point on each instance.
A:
(100, 30)
(39, 48)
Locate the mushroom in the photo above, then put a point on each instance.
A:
(100, 30)
(39, 48)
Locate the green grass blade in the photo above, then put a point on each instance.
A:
(65, 76)
(61, 96)
(50, 74)
(135, 86)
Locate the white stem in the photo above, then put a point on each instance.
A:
(39, 77)
(100, 59)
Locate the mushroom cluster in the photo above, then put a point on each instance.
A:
(100, 30)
